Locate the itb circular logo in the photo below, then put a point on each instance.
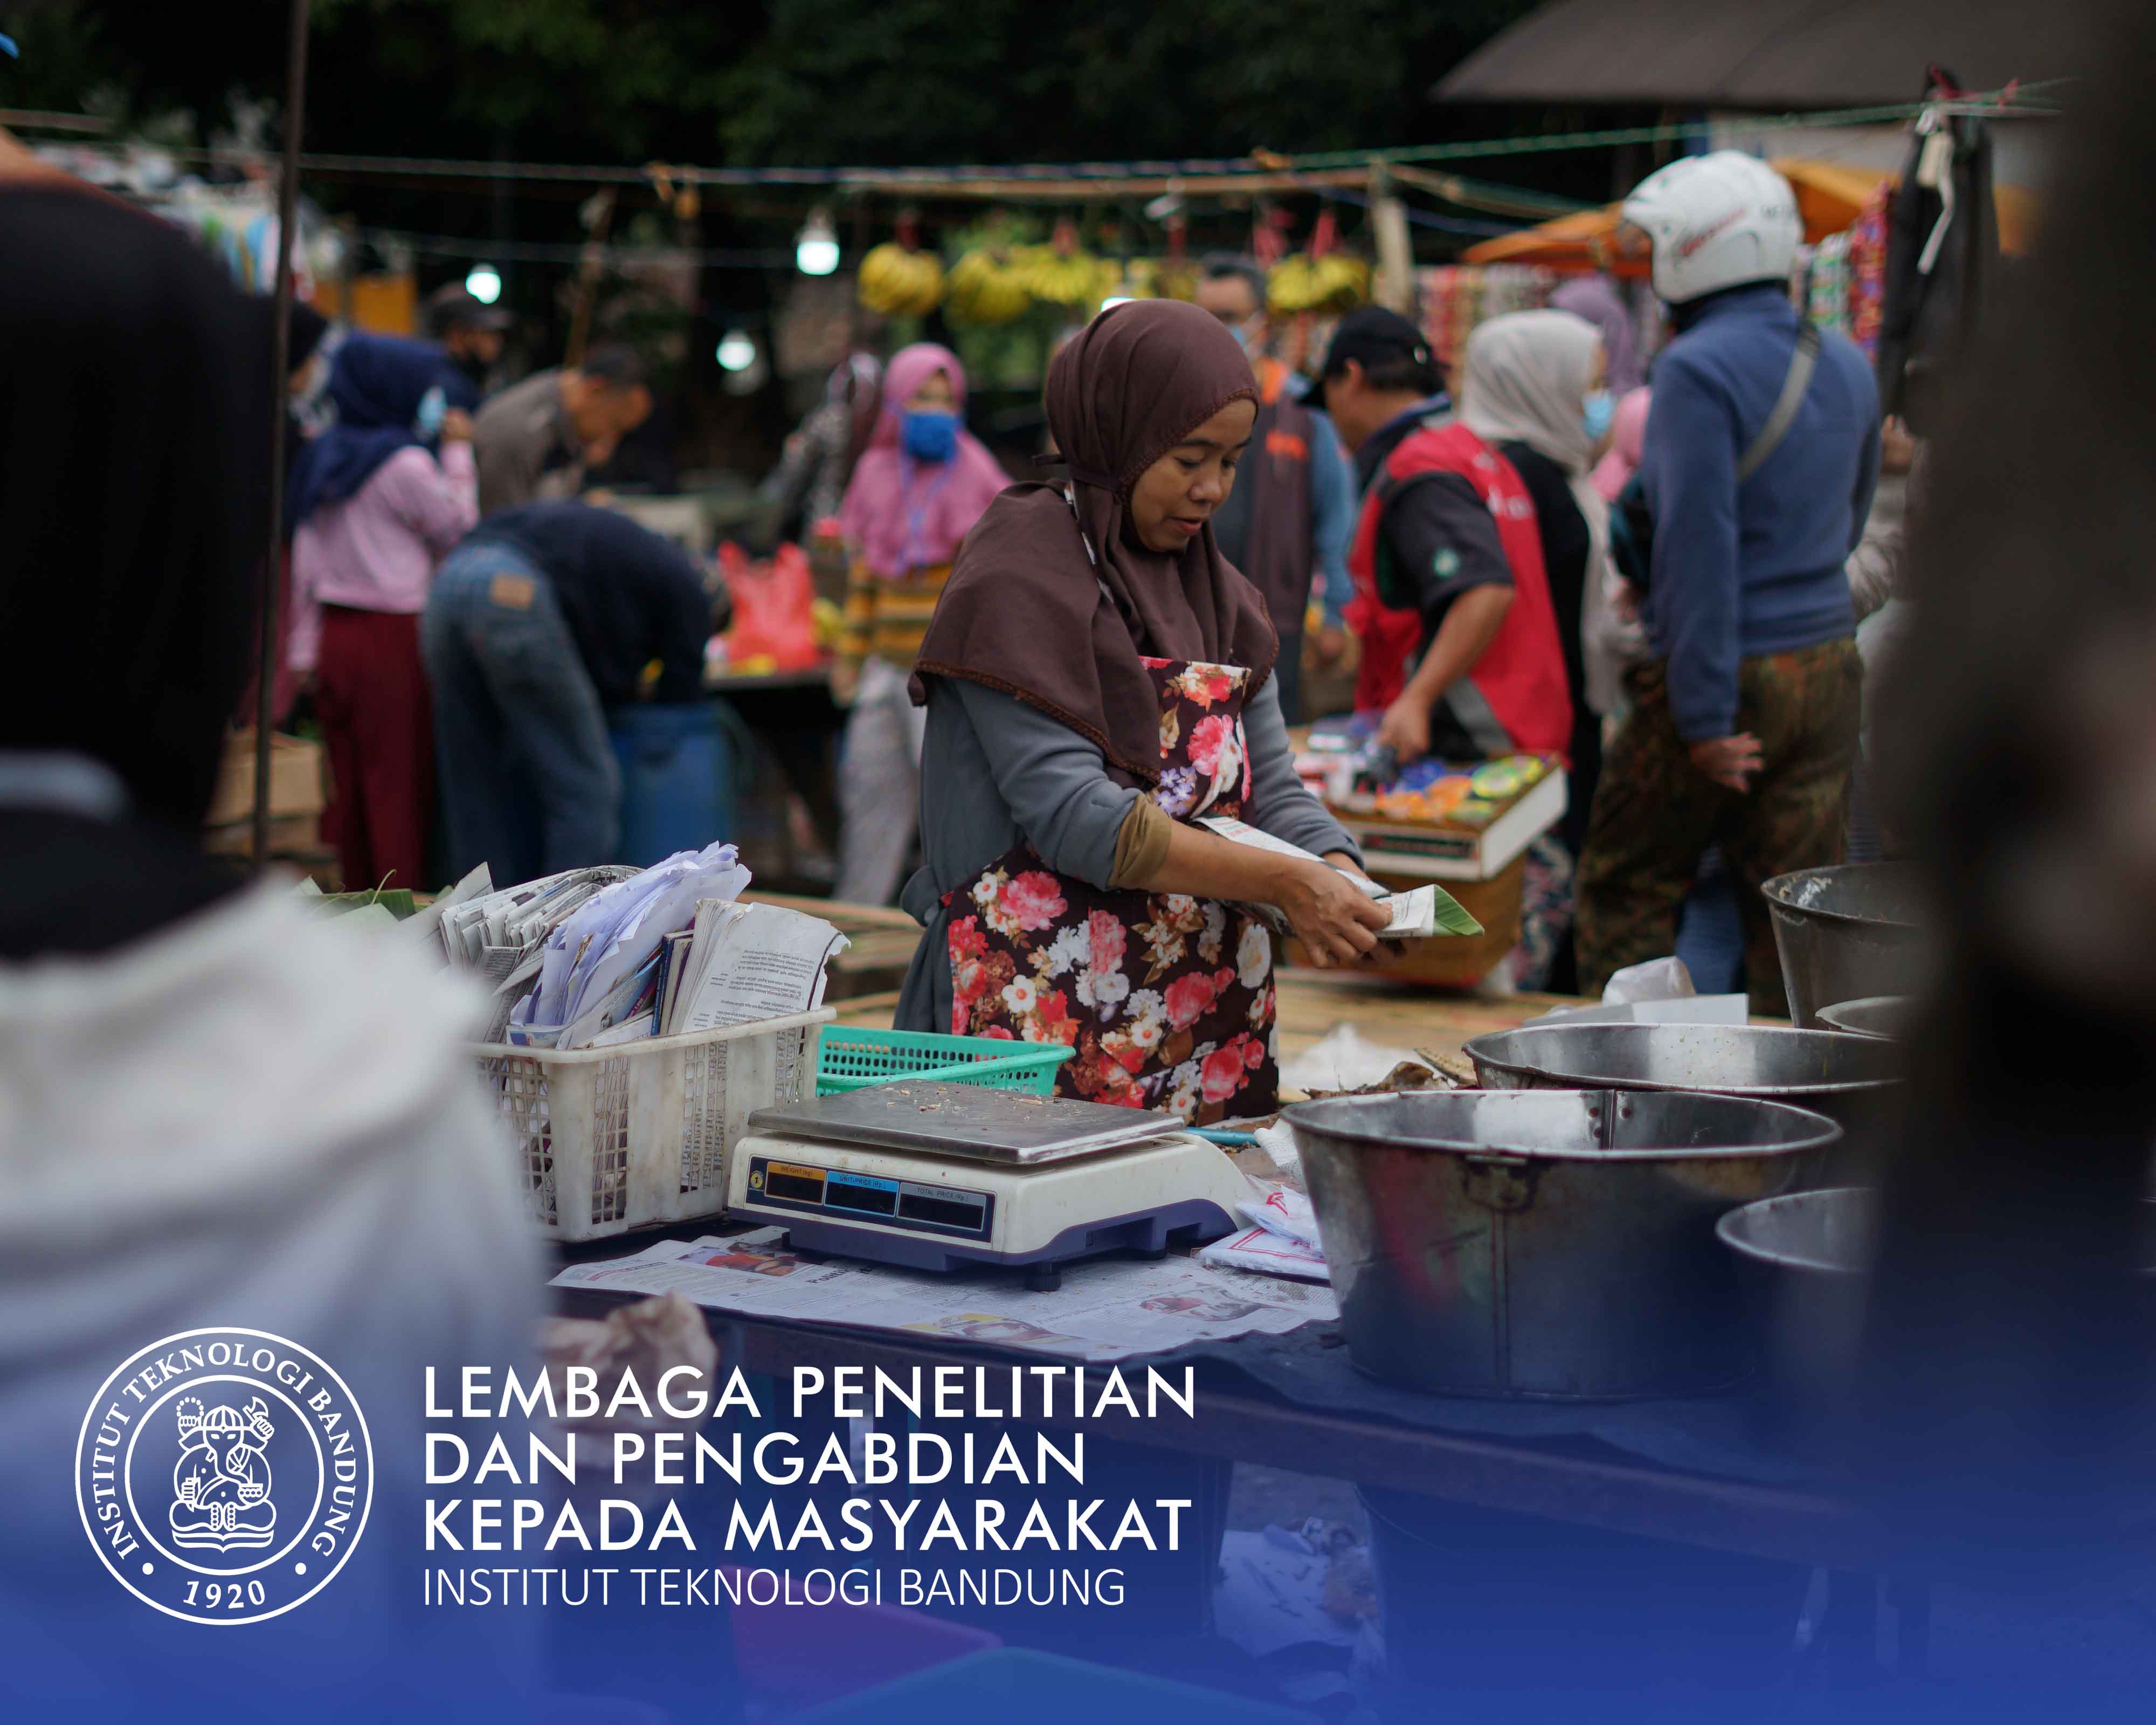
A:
(223, 1474)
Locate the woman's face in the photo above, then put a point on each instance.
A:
(1176, 496)
(934, 393)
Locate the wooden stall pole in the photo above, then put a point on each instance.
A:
(280, 352)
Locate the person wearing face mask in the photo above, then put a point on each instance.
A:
(372, 507)
(921, 483)
(1288, 521)
(1098, 680)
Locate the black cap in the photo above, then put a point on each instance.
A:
(455, 307)
(1374, 337)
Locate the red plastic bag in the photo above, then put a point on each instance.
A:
(774, 626)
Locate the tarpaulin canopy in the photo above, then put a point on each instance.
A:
(1772, 54)
(1829, 196)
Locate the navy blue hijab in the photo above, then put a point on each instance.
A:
(377, 384)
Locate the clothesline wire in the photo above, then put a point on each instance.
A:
(913, 180)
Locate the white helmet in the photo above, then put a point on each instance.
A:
(1716, 221)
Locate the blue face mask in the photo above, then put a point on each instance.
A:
(929, 433)
(1596, 413)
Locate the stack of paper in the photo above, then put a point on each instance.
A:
(1282, 1240)
(599, 963)
(738, 963)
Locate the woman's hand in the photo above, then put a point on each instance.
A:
(1336, 921)
(456, 427)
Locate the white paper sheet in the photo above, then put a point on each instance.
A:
(764, 962)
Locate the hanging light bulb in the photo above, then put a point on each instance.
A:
(736, 351)
(483, 283)
(816, 250)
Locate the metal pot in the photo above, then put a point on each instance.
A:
(1885, 1016)
(1544, 1244)
(1849, 1079)
(1847, 933)
(1804, 1267)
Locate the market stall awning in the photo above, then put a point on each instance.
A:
(1829, 196)
(1769, 53)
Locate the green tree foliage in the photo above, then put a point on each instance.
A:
(800, 81)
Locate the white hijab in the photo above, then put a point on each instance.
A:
(1526, 381)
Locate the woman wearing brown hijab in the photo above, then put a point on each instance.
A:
(1098, 678)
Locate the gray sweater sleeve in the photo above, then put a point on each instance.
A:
(1280, 804)
(1056, 782)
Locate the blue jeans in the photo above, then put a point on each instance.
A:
(529, 781)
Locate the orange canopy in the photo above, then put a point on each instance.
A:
(1829, 196)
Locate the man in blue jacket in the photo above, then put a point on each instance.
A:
(1762, 450)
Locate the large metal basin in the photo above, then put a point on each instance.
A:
(1849, 1079)
(1545, 1244)
(1847, 933)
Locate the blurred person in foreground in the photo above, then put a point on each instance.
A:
(2006, 1419)
(536, 440)
(921, 484)
(374, 502)
(471, 332)
(220, 1110)
(1758, 468)
(544, 620)
(1288, 522)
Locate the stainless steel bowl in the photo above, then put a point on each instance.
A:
(1847, 933)
(1887, 1017)
(1851, 1079)
(1541, 1243)
(1804, 1268)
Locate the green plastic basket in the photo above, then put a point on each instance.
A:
(853, 1057)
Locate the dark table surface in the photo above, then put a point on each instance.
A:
(1575, 1479)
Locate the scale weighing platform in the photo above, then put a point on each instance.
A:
(941, 1176)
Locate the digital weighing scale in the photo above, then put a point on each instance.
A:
(940, 1176)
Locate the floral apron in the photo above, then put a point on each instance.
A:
(1167, 999)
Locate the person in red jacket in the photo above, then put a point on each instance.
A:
(1459, 645)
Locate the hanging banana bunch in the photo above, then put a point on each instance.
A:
(900, 280)
(985, 286)
(1062, 273)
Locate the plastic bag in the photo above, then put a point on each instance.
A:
(774, 620)
(1657, 979)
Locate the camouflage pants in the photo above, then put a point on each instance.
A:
(1654, 812)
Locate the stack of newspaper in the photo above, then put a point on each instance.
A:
(591, 957)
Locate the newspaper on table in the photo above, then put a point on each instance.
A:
(1418, 914)
(1107, 1308)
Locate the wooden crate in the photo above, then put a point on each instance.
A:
(1454, 961)
(295, 780)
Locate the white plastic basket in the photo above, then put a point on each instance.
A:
(638, 1134)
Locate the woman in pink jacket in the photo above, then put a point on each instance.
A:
(372, 508)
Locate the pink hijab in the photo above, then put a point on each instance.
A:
(1628, 433)
(904, 515)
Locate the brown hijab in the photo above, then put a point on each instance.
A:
(1029, 612)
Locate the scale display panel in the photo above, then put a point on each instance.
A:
(844, 1194)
